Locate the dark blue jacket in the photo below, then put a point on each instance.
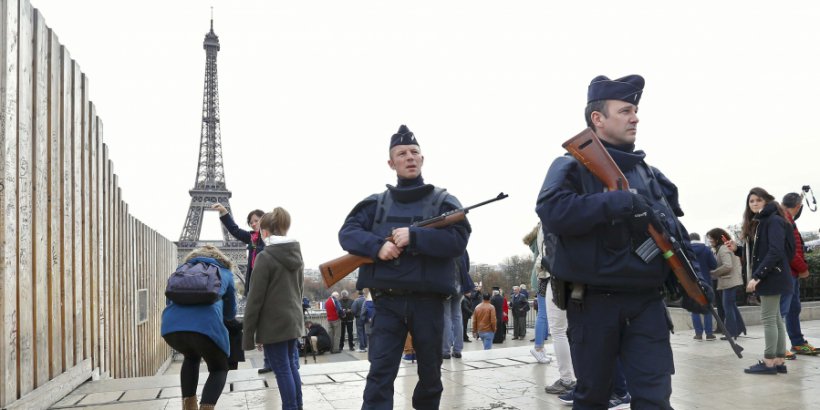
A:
(428, 263)
(595, 246)
(206, 319)
(244, 236)
(770, 263)
(706, 260)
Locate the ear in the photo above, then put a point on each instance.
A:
(391, 164)
(597, 119)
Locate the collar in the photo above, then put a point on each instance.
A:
(410, 190)
(276, 239)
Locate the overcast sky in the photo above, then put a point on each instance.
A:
(310, 92)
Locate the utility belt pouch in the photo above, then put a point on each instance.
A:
(560, 292)
(577, 293)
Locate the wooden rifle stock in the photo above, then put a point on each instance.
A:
(336, 270)
(588, 150)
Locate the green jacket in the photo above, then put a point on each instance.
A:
(273, 310)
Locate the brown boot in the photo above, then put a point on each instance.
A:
(206, 406)
(189, 403)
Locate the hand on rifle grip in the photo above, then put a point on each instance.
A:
(401, 237)
(642, 216)
(389, 251)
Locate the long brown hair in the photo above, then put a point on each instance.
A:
(749, 222)
(717, 235)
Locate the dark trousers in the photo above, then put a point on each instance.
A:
(346, 325)
(362, 335)
(195, 347)
(423, 317)
(519, 326)
(464, 319)
(632, 327)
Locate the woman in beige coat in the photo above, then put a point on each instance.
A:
(728, 275)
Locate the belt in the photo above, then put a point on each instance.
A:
(406, 292)
(598, 290)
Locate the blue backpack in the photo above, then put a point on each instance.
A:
(194, 283)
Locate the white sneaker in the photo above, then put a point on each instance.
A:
(361, 351)
(541, 356)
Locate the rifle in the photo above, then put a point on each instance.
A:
(588, 150)
(335, 270)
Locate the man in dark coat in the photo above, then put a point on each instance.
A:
(498, 303)
(707, 262)
(318, 337)
(615, 308)
(520, 307)
(413, 272)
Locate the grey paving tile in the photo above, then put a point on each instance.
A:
(315, 379)
(345, 377)
(232, 401)
(140, 405)
(483, 364)
(140, 394)
(249, 385)
(100, 398)
(69, 400)
(503, 362)
(170, 392)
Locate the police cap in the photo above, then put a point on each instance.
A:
(403, 137)
(627, 89)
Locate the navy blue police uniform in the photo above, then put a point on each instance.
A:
(407, 291)
(618, 310)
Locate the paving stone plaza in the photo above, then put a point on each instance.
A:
(708, 376)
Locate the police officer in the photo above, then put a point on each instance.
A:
(615, 306)
(413, 273)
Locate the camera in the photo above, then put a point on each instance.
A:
(806, 188)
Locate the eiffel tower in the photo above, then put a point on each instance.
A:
(210, 187)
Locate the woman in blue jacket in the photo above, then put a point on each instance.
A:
(199, 332)
(764, 232)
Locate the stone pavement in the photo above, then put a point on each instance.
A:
(708, 376)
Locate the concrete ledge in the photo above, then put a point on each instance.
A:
(682, 320)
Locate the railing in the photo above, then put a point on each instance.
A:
(72, 258)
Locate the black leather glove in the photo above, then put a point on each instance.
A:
(694, 307)
(641, 216)
(707, 290)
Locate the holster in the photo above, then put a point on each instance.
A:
(560, 292)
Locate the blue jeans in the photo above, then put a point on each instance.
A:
(542, 330)
(284, 358)
(453, 333)
(361, 333)
(700, 325)
(487, 339)
(733, 320)
(791, 314)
